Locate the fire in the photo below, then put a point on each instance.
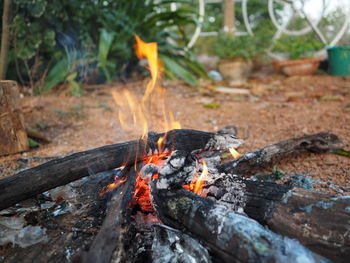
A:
(234, 153)
(139, 114)
(117, 182)
(200, 181)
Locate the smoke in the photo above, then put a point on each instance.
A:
(80, 58)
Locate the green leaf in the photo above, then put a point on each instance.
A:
(176, 68)
(341, 152)
(56, 75)
(32, 143)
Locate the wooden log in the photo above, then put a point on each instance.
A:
(110, 235)
(13, 137)
(231, 237)
(317, 220)
(30, 182)
(250, 162)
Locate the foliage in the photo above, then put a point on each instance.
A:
(247, 47)
(298, 47)
(55, 39)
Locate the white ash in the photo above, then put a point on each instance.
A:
(148, 170)
(226, 189)
(223, 141)
(178, 170)
(172, 246)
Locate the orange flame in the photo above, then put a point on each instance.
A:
(200, 181)
(234, 153)
(142, 113)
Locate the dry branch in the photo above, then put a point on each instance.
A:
(58, 172)
(249, 163)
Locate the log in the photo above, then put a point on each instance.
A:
(31, 182)
(317, 220)
(250, 162)
(230, 237)
(13, 137)
(109, 238)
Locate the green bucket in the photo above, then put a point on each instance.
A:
(339, 60)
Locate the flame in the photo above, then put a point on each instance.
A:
(137, 114)
(114, 185)
(200, 181)
(234, 153)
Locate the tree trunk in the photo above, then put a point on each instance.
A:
(13, 137)
(5, 39)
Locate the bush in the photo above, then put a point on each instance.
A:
(95, 37)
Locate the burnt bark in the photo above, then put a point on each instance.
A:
(319, 221)
(109, 239)
(250, 162)
(31, 182)
(231, 237)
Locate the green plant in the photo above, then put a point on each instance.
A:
(298, 47)
(247, 47)
(52, 40)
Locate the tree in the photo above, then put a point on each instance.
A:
(5, 38)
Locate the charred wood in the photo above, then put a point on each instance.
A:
(69, 233)
(172, 246)
(250, 162)
(319, 221)
(231, 237)
(109, 239)
(31, 182)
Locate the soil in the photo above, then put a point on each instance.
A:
(276, 108)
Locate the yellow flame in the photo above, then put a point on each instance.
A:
(199, 183)
(234, 153)
(142, 113)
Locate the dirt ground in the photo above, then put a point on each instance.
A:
(277, 108)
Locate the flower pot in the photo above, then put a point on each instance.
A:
(236, 71)
(299, 67)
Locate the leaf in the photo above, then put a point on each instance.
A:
(173, 66)
(56, 75)
(341, 152)
(32, 143)
(211, 105)
(41, 125)
(105, 43)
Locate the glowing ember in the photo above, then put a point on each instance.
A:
(114, 185)
(234, 153)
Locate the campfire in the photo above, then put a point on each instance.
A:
(179, 196)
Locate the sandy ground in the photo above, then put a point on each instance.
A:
(277, 108)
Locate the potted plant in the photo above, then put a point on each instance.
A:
(299, 52)
(236, 54)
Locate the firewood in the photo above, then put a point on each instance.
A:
(13, 137)
(171, 245)
(110, 235)
(230, 237)
(319, 221)
(31, 182)
(250, 162)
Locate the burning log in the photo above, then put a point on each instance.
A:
(31, 182)
(250, 162)
(109, 238)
